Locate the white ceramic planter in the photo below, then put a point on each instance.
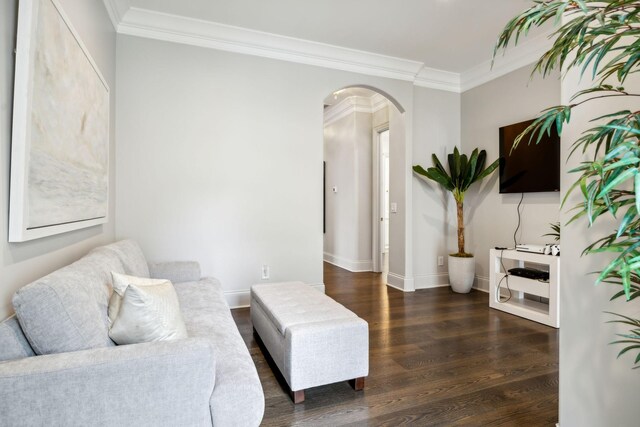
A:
(461, 273)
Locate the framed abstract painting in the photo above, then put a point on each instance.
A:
(60, 141)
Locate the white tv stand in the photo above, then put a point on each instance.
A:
(548, 314)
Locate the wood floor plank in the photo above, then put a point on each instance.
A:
(436, 358)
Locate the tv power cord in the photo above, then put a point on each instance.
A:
(515, 233)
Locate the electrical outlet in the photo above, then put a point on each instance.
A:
(265, 271)
(440, 261)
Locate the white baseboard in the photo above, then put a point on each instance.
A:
(354, 266)
(482, 284)
(427, 281)
(405, 284)
(241, 299)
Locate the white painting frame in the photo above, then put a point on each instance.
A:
(61, 136)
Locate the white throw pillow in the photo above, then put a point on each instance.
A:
(143, 310)
(120, 283)
(148, 313)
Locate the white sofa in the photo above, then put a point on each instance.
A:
(59, 367)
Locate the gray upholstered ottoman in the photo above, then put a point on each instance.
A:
(311, 338)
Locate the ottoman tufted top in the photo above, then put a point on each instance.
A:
(292, 303)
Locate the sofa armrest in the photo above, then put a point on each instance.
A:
(151, 384)
(176, 271)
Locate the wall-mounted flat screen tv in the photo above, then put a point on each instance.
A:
(530, 167)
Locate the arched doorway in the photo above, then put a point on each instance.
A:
(362, 129)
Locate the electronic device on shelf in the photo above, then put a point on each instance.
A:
(552, 250)
(536, 249)
(530, 273)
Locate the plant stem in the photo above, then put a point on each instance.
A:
(459, 206)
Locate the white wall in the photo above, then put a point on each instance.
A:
(436, 130)
(348, 157)
(491, 218)
(22, 263)
(596, 388)
(220, 159)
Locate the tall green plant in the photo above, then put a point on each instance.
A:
(600, 39)
(462, 173)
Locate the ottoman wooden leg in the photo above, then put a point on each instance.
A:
(357, 383)
(297, 396)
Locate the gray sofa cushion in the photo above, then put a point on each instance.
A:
(13, 343)
(67, 310)
(160, 384)
(176, 271)
(131, 257)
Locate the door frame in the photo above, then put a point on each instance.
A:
(376, 222)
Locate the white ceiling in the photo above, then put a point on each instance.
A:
(454, 36)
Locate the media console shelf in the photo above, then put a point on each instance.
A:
(548, 314)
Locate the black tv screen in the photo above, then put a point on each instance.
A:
(530, 167)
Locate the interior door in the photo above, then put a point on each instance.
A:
(384, 197)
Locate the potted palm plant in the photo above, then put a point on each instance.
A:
(463, 171)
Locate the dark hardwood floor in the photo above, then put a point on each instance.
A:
(436, 359)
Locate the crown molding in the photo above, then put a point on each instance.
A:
(378, 102)
(116, 10)
(352, 104)
(525, 53)
(196, 32)
(438, 79)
